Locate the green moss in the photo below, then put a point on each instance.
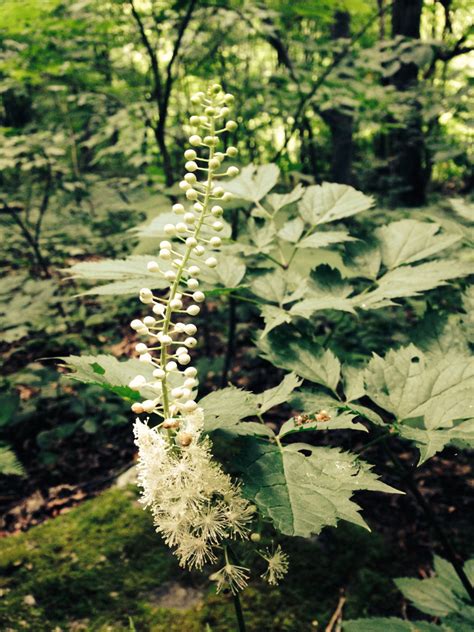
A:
(101, 564)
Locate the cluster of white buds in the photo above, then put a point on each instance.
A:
(189, 248)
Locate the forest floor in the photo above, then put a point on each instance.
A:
(101, 566)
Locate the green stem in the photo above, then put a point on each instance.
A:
(239, 615)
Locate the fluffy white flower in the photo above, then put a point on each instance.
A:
(195, 505)
(277, 565)
(231, 576)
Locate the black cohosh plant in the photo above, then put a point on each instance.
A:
(197, 508)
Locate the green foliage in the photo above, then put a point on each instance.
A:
(442, 596)
(302, 488)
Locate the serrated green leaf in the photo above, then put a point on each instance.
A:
(309, 306)
(253, 183)
(279, 200)
(301, 488)
(409, 240)
(270, 286)
(330, 202)
(429, 397)
(127, 276)
(353, 382)
(306, 359)
(225, 409)
(273, 317)
(109, 373)
(229, 273)
(439, 596)
(279, 394)
(410, 281)
(292, 230)
(323, 239)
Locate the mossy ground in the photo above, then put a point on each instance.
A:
(99, 567)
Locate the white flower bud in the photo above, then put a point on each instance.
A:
(190, 154)
(148, 405)
(217, 211)
(190, 218)
(159, 374)
(215, 242)
(199, 250)
(195, 140)
(137, 408)
(217, 225)
(228, 98)
(170, 229)
(137, 382)
(189, 406)
(189, 382)
(146, 295)
(227, 196)
(190, 329)
(177, 262)
(190, 372)
(194, 120)
(146, 357)
(232, 151)
(165, 244)
(180, 328)
(175, 304)
(165, 339)
(159, 309)
(192, 284)
(197, 206)
(191, 241)
(232, 171)
(185, 439)
(231, 126)
(137, 324)
(218, 192)
(184, 186)
(176, 393)
(186, 391)
(171, 366)
(193, 310)
(141, 348)
(190, 342)
(224, 111)
(214, 163)
(210, 111)
(149, 321)
(211, 262)
(170, 275)
(181, 227)
(152, 266)
(190, 178)
(191, 166)
(164, 254)
(192, 194)
(181, 350)
(184, 358)
(199, 296)
(179, 210)
(194, 270)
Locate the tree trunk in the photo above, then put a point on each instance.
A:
(340, 123)
(406, 144)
